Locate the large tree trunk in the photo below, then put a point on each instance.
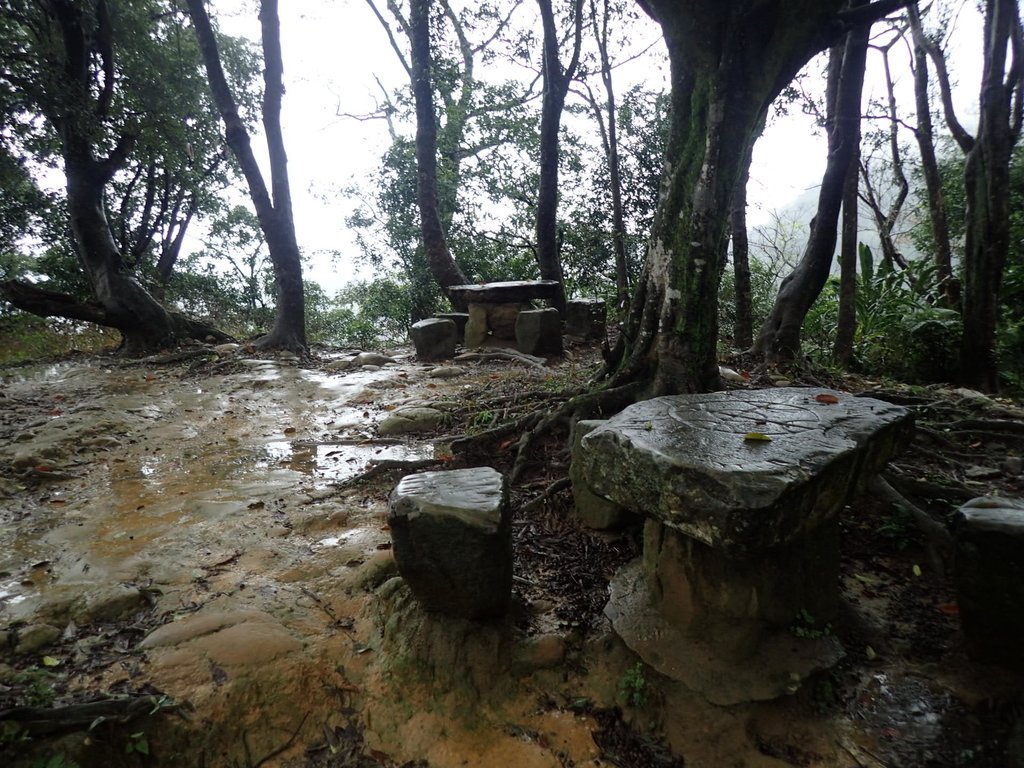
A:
(275, 215)
(556, 87)
(987, 180)
(779, 339)
(610, 138)
(442, 266)
(123, 303)
(729, 60)
(743, 327)
(846, 325)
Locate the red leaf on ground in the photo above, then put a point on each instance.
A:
(950, 609)
(827, 399)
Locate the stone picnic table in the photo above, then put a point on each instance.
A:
(741, 493)
(495, 309)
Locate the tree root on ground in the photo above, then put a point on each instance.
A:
(938, 541)
(52, 721)
(556, 487)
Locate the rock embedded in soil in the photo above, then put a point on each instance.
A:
(989, 564)
(452, 533)
(35, 637)
(410, 420)
(371, 358)
(108, 603)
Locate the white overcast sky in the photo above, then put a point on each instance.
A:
(334, 50)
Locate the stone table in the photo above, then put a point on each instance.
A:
(741, 493)
(495, 307)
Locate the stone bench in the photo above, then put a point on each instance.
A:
(452, 538)
(494, 308)
(740, 492)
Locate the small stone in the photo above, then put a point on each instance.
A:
(227, 349)
(35, 637)
(378, 568)
(369, 368)
(978, 472)
(336, 366)
(372, 358)
(108, 604)
(446, 372)
(1012, 465)
(410, 420)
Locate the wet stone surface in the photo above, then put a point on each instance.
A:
(452, 535)
(742, 471)
(989, 534)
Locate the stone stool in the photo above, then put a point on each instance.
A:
(452, 534)
(586, 318)
(989, 561)
(539, 331)
(741, 493)
(434, 339)
(459, 318)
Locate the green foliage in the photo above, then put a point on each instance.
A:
(633, 687)
(806, 626)
(54, 761)
(36, 687)
(137, 744)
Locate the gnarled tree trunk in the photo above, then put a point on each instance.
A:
(729, 60)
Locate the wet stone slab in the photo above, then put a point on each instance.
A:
(742, 471)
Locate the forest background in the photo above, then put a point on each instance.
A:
(184, 228)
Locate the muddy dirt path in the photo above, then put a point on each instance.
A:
(191, 536)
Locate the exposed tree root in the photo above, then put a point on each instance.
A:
(601, 401)
(938, 541)
(50, 721)
(504, 354)
(909, 486)
(556, 487)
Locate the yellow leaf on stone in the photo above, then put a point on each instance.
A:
(49, 661)
(760, 437)
(917, 570)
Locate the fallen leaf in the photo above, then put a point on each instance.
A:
(759, 437)
(49, 661)
(917, 569)
(827, 399)
(950, 609)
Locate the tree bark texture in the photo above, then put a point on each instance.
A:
(435, 245)
(779, 338)
(925, 136)
(987, 180)
(729, 60)
(743, 328)
(610, 137)
(846, 325)
(274, 214)
(145, 324)
(556, 87)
